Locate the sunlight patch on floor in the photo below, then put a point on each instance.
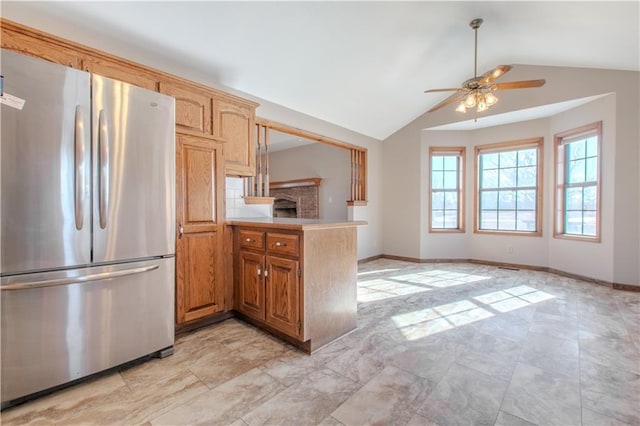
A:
(378, 271)
(440, 278)
(513, 298)
(426, 322)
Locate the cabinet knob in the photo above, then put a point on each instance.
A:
(249, 240)
(279, 244)
(180, 230)
(259, 271)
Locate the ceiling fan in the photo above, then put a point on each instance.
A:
(477, 92)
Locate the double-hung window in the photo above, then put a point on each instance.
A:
(447, 194)
(509, 188)
(577, 200)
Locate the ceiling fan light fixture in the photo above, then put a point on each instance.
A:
(470, 101)
(461, 107)
(491, 99)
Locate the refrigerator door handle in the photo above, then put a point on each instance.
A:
(75, 280)
(80, 171)
(103, 148)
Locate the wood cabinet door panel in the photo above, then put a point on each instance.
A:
(200, 286)
(200, 291)
(282, 295)
(235, 123)
(193, 108)
(250, 295)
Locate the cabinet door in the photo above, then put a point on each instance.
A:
(193, 107)
(235, 123)
(250, 289)
(199, 250)
(283, 296)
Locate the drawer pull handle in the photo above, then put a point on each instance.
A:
(249, 240)
(259, 271)
(279, 244)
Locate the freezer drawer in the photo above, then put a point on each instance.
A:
(56, 331)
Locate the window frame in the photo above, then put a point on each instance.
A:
(461, 153)
(538, 143)
(559, 178)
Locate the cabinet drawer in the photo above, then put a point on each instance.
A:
(251, 239)
(283, 243)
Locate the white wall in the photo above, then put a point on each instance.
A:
(615, 259)
(328, 162)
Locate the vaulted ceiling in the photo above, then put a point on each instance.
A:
(360, 65)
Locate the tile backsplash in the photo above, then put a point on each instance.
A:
(235, 201)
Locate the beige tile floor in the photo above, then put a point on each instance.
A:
(436, 344)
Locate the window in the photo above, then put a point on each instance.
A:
(509, 187)
(447, 195)
(577, 201)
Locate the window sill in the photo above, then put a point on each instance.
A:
(509, 233)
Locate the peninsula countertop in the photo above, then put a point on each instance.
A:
(294, 223)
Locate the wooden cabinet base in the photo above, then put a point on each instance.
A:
(298, 284)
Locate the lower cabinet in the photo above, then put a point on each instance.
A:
(268, 286)
(300, 284)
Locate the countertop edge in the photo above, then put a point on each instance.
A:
(293, 225)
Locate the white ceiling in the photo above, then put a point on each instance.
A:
(360, 65)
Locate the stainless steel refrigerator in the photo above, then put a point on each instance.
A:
(88, 224)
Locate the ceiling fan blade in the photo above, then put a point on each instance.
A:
(524, 84)
(451, 99)
(494, 74)
(443, 90)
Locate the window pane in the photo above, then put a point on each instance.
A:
(589, 224)
(576, 171)
(592, 169)
(437, 200)
(573, 223)
(437, 179)
(450, 163)
(451, 200)
(437, 162)
(507, 220)
(526, 221)
(507, 200)
(589, 198)
(489, 200)
(526, 200)
(527, 157)
(576, 150)
(488, 219)
(450, 181)
(437, 219)
(592, 146)
(508, 159)
(527, 176)
(489, 161)
(451, 219)
(508, 177)
(573, 200)
(489, 179)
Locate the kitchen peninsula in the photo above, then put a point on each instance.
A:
(296, 278)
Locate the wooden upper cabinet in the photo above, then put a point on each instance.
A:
(14, 39)
(193, 107)
(234, 123)
(120, 72)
